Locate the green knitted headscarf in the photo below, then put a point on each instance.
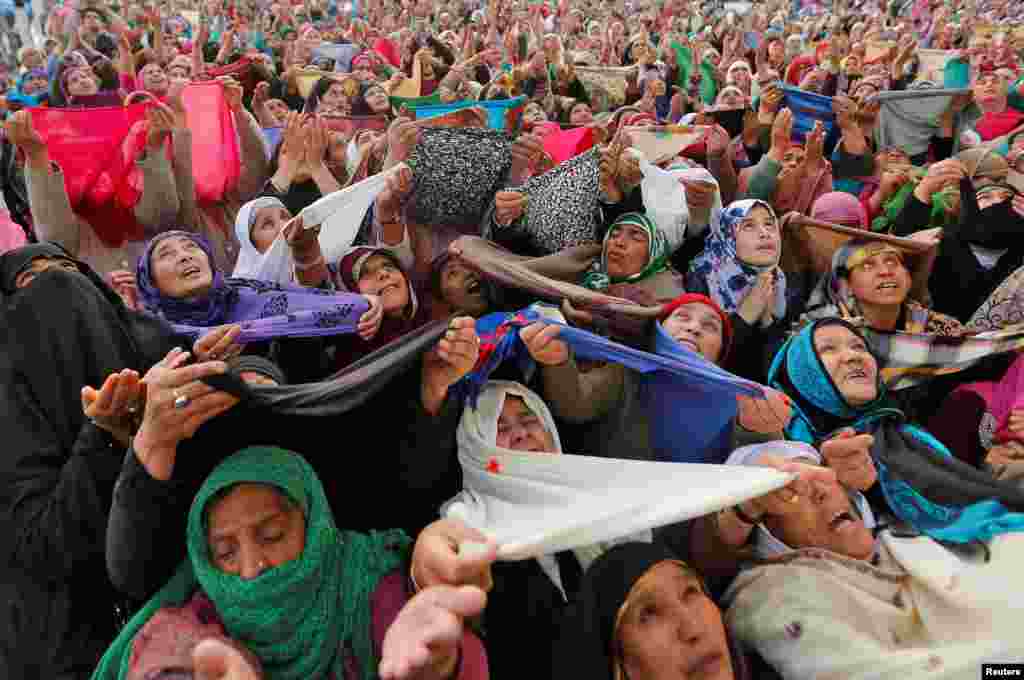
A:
(658, 253)
(299, 617)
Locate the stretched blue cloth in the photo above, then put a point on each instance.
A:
(808, 107)
(690, 401)
(502, 114)
(273, 137)
(923, 484)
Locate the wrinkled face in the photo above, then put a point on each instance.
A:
(267, 225)
(153, 78)
(880, 280)
(462, 288)
(32, 58)
(793, 157)
(520, 429)
(278, 110)
(92, 23)
(82, 83)
(628, 249)
(40, 265)
(776, 51)
(853, 63)
(34, 86)
(758, 241)
(180, 268)
(697, 327)
(849, 363)
(377, 100)
(581, 114)
(740, 76)
(534, 114)
(180, 68)
(334, 100)
(671, 629)
(990, 89)
(993, 197)
(380, 276)
(252, 529)
(824, 519)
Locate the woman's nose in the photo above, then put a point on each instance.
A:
(253, 564)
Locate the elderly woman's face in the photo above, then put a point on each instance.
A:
(34, 85)
(154, 79)
(627, 250)
(989, 88)
(881, 280)
(824, 519)
(377, 100)
(776, 51)
(82, 83)
(534, 114)
(278, 110)
(848, 362)
(252, 529)
(32, 58)
(181, 268)
(581, 115)
(462, 288)
(267, 225)
(993, 197)
(671, 629)
(520, 429)
(334, 100)
(380, 276)
(40, 265)
(740, 75)
(758, 241)
(180, 68)
(697, 327)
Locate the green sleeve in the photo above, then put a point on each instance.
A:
(763, 179)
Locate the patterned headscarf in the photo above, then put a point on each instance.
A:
(833, 295)
(730, 279)
(307, 618)
(658, 253)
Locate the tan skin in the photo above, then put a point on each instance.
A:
(252, 529)
(520, 429)
(40, 265)
(849, 363)
(180, 268)
(627, 251)
(82, 83)
(380, 276)
(671, 629)
(759, 243)
(267, 225)
(881, 285)
(696, 327)
(461, 288)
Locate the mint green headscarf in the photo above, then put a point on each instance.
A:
(297, 617)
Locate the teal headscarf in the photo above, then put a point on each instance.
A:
(923, 484)
(299, 617)
(658, 253)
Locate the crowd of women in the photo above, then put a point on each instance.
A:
(513, 339)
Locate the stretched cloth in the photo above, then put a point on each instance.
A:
(411, 87)
(605, 85)
(549, 277)
(307, 78)
(413, 103)
(1002, 397)
(341, 215)
(908, 119)
(932, 65)
(708, 85)
(502, 114)
(349, 125)
(662, 143)
(340, 54)
(97, 149)
(1004, 307)
(807, 108)
(562, 145)
(534, 504)
(456, 172)
(241, 70)
(675, 380)
(921, 481)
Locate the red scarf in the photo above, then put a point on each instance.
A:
(992, 125)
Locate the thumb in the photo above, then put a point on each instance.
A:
(212, 660)
(474, 557)
(464, 601)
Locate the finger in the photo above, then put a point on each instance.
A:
(187, 374)
(463, 601)
(226, 341)
(106, 394)
(124, 393)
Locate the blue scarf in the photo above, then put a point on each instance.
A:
(691, 402)
(924, 485)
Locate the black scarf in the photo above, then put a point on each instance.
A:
(997, 227)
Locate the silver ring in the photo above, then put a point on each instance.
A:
(180, 401)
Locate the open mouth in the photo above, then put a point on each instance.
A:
(704, 666)
(473, 286)
(858, 375)
(887, 285)
(190, 271)
(839, 521)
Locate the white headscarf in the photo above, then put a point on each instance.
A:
(251, 263)
(765, 542)
(534, 504)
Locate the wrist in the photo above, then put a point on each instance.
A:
(156, 457)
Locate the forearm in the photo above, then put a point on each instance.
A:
(158, 206)
(50, 205)
(764, 178)
(582, 397)
(725, 172)
(184, 179)
(255, 163)
(325, 181)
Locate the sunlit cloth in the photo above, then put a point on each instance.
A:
(502, 114)
(341, 55)
(536, 504)
(664, 142)
(605, 85)
(565, 144)
(665, 201)
(413, 103)
(1002, 397)
(307, 78)
(675, 380)
(908, 119)
(411, 87)
(456, 172)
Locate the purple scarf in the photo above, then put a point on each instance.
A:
(264, 310)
